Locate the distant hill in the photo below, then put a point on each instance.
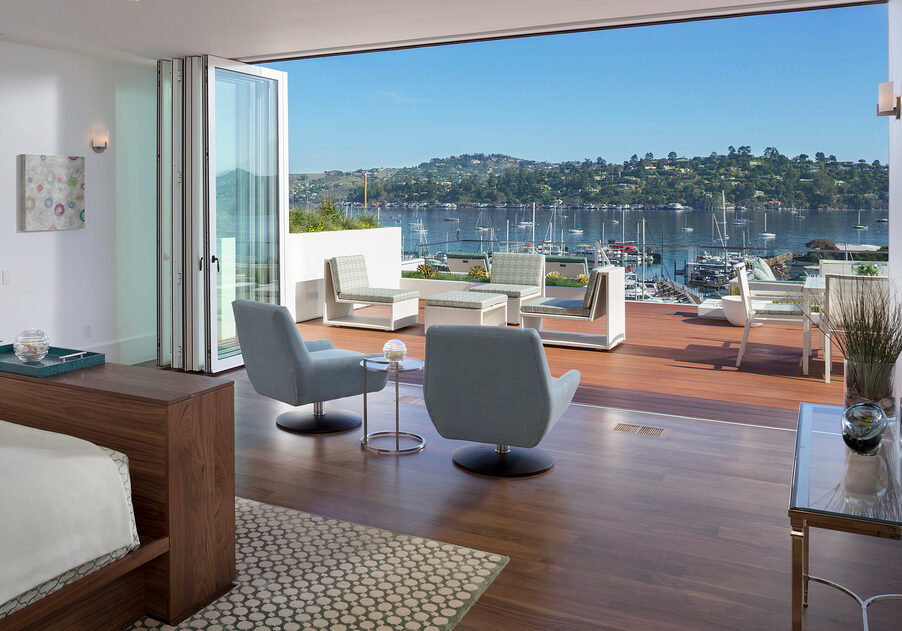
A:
(771, 180)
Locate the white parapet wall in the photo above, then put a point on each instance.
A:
(306, 251)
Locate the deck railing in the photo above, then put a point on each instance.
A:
(659, 272)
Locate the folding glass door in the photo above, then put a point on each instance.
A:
(223, 204)
(247, 206)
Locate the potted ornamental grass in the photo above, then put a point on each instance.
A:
(866, 326)
(865, 322)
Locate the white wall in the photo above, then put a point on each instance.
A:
(305, 253)
(103, 276)
(895, 145)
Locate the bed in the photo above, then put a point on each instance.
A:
(67, 512)
(177, 432)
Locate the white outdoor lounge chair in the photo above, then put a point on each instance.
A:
(781, 303)
(347, 284)
(519, 276)
(605, 296)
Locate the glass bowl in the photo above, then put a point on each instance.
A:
(863, 426)
(31, 346)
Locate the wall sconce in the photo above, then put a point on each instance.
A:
(100, 140)
(888, 104)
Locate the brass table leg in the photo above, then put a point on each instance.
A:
(798, 533)
(805, 539)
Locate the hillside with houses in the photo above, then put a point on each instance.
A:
(771, 180)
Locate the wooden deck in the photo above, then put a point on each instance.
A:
(672, 363)
(687, 531)
(683, 532)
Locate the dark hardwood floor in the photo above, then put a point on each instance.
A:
(687, 531)
(672, 362)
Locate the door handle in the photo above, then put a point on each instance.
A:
(216, 260)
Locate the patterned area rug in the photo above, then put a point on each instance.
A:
(297, 571)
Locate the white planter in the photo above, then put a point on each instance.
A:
(711, 309)
(570, 293)
(306, 251)
(734, 311)
(428, 287)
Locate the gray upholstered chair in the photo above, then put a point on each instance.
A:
(517, 275)
(282, 366)
(492, 385)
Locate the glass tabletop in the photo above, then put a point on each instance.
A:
(830, 479)
(379, 363)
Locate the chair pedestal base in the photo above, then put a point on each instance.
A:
(516, 463)
(331, 422)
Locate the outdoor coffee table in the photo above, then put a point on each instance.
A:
(416, 443)
(466, 307)
(836, 489)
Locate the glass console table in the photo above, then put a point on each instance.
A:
(375, 441)
(836, 489)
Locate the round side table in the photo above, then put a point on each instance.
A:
(374, 442)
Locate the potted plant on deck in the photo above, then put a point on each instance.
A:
(865, 322)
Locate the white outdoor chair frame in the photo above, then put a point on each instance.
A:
(771, 291)
(609, 302)
(338, 312)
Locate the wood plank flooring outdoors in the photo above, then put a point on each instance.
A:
(687, 531)
(672, 362)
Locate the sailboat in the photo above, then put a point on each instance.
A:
(575, 229)
(859, 225)
(480, 227)
(724, 237)
(686, 226)
(766, 234)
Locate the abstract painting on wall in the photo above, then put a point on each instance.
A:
(51, 192)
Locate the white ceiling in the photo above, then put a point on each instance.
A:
(268, 29)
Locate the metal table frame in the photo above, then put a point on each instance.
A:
(802, 519)
(380, 364)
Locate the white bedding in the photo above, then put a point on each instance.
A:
(63, 504)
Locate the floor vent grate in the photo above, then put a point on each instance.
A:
(644, 430)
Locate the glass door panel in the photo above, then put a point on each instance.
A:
(247, 201)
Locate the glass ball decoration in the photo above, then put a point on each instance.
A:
(394, 351)
(863, 426)
(31, 346)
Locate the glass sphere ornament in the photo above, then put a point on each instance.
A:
(394, 351)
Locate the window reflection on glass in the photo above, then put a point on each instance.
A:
(247, 196)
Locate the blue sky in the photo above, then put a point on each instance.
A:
(802, 82)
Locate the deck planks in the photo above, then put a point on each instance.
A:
(672, 362)
(686, 532)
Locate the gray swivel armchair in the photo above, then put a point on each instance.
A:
(490, 384)
(282, 366)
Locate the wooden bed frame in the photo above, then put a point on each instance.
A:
(178, 433)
